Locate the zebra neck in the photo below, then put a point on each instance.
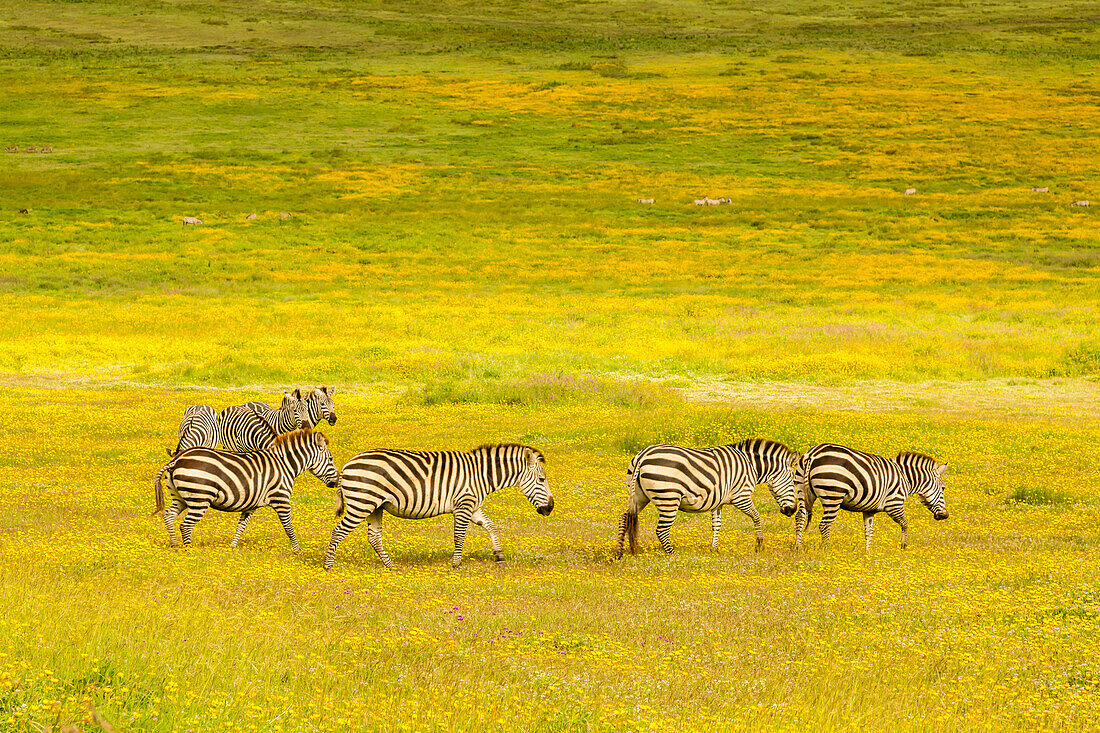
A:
(285, 421)
(313, 412)
(492, 475)
(291, 458)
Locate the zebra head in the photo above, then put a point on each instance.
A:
(925, 478)
(319, 405)
(295, 407)
(532, 481)
(775, 466)
(318, 458)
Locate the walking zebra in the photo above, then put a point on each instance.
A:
(249, 427)
(699, 480)
(422, 484)
(199, 429)
(319, 405)
(201, 478)
(849, 479)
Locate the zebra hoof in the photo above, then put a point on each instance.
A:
(498, 558)
(759, 545)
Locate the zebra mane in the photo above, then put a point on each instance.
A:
(766, 442)
(921, 459)
(490, 446)
(287, 438)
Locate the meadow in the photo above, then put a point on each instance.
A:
(465, 261)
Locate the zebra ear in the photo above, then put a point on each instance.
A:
(298, 394)
(939, 470)
(325, 390)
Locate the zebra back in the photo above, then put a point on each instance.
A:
(253, 426)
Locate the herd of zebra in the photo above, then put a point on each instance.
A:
(264, 450)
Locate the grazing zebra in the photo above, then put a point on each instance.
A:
(861, 482)
(199, 429)
(698, 480)
(201, 478)
(249, 427)
(422, 484)
(319, 405)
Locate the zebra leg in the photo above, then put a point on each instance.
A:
(715, 527)
(898, 515)
(480, 519)
(352, 518)
(194, 514)
(805, 514)
(283, 510)
(828, 514)
(744, 503)
(245, 516)
(170, 522)
(374, 536)
(868, 529)
(667, 515)
(463, 513)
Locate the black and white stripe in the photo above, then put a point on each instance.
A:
(201, 478)
(843, 478)
(318, 405)
(698, 480)
(249, 427)
(422, 484)
(198, 429)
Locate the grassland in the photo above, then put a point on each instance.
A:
(466, 261)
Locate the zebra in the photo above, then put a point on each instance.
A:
(849, 479)
(423, 484)
(249, 427)
(202, 478)
(318, 405)
(199, 429)
(698, 480)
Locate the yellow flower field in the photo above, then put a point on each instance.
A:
(448, 232)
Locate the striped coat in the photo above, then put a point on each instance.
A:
(253, 425)
(422, 484)
(844, 478)
(198, 429)
(201, 478)
(317, 406)
(678, 479)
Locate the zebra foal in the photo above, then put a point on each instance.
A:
(843, 478)
(201, 478)
(253, 425)
(423, 484)
(678, 479)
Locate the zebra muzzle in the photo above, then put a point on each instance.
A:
(941, 517)
(545, 510)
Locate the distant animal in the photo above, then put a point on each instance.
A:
(700, 202)
(254, 425)
(1041, 189)
(645, 201)
(191, 220)
(31, 149)
(421, 484)
(198, 429)
(12, 148)
(910, 191)
(46, 149)
(250, 216)
(201, 478)
(318, 405)
(725, 201)
(1080, 203)
(844, 478)
(678, 479)
(284, 215)
(24, 211)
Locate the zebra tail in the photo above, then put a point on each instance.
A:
(632, 508)
(340, 508)
(158, 491)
